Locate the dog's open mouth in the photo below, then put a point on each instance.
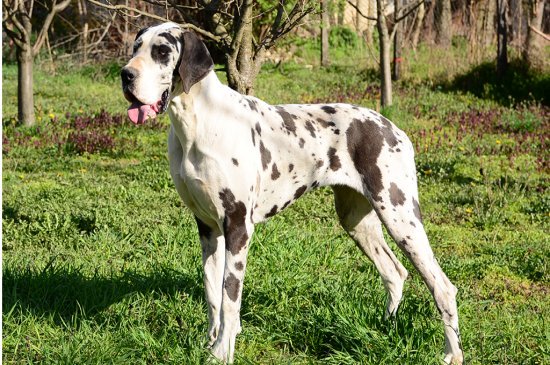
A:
(139, 112)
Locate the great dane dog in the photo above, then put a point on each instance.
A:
(237, 161)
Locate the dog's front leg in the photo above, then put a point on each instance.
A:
(213, 260)
(237, 234)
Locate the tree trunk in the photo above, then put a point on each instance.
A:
(371, 12)
(516, 22)
(385, 48)
(324, 34)
(83, 13)
(25, 97)
(532, 53)
(418, 25)
(488, 33)
(396, 72)
(443, 23)
(502, 37)
(242, 65)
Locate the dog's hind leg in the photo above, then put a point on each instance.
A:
(361, 222)
(398, 208)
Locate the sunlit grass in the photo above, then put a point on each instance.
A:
(101, 263)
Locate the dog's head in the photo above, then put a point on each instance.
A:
(167, 60)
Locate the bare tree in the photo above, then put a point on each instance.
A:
(502, 37)
(397, 41)
(324, 33)
(385, 37)
(532, 53)
(16, 19)
(443, 23)
(232, 27)
(415, 37)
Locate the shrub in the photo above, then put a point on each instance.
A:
(343, 37)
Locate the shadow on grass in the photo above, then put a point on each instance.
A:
(519, 84)
(64, 291)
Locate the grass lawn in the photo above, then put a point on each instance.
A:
(101, 263)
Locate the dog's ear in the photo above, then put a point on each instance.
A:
(195, 60)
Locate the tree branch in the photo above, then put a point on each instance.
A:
(47, 22)
(153, 16)
(410, 11)
(360, 12)
(543, 35)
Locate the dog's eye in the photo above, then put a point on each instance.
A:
(137, 44)
(163, 51)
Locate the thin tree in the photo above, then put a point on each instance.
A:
(502, 37)
(443, 23)
(324, 33)
(16, 20)
(385, 38)
(532, 53)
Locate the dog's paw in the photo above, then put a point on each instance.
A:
(453, 359)
(220, 354)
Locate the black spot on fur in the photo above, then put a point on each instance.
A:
(160, 53)
(387, 132)
(137, 44)
(300, 191)
(272, 212)
(325, 124)
(334, 159)
(310, 128)
(364, 146)
(397, 197)
(275, 172)
(286, 204)
(290, 167)
(252, 105)
(382, 207)
(235, 161)
(169, 37)
(328, 109)
(412, 224)
(301, 143)
(416, 210)
(266, 155)
(253, 138)
(315, 184)
(234, 222)
(336, 131)
(239, 266)
(288, 121)
(319, 164)
(258, 129)
(231, 285)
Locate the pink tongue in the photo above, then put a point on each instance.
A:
(138, 112)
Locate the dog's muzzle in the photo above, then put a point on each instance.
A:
(139, 112)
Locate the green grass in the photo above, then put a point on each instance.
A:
(101, 263)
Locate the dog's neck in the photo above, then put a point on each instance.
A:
(184, 108)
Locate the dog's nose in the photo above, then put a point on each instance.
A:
(128, 74)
